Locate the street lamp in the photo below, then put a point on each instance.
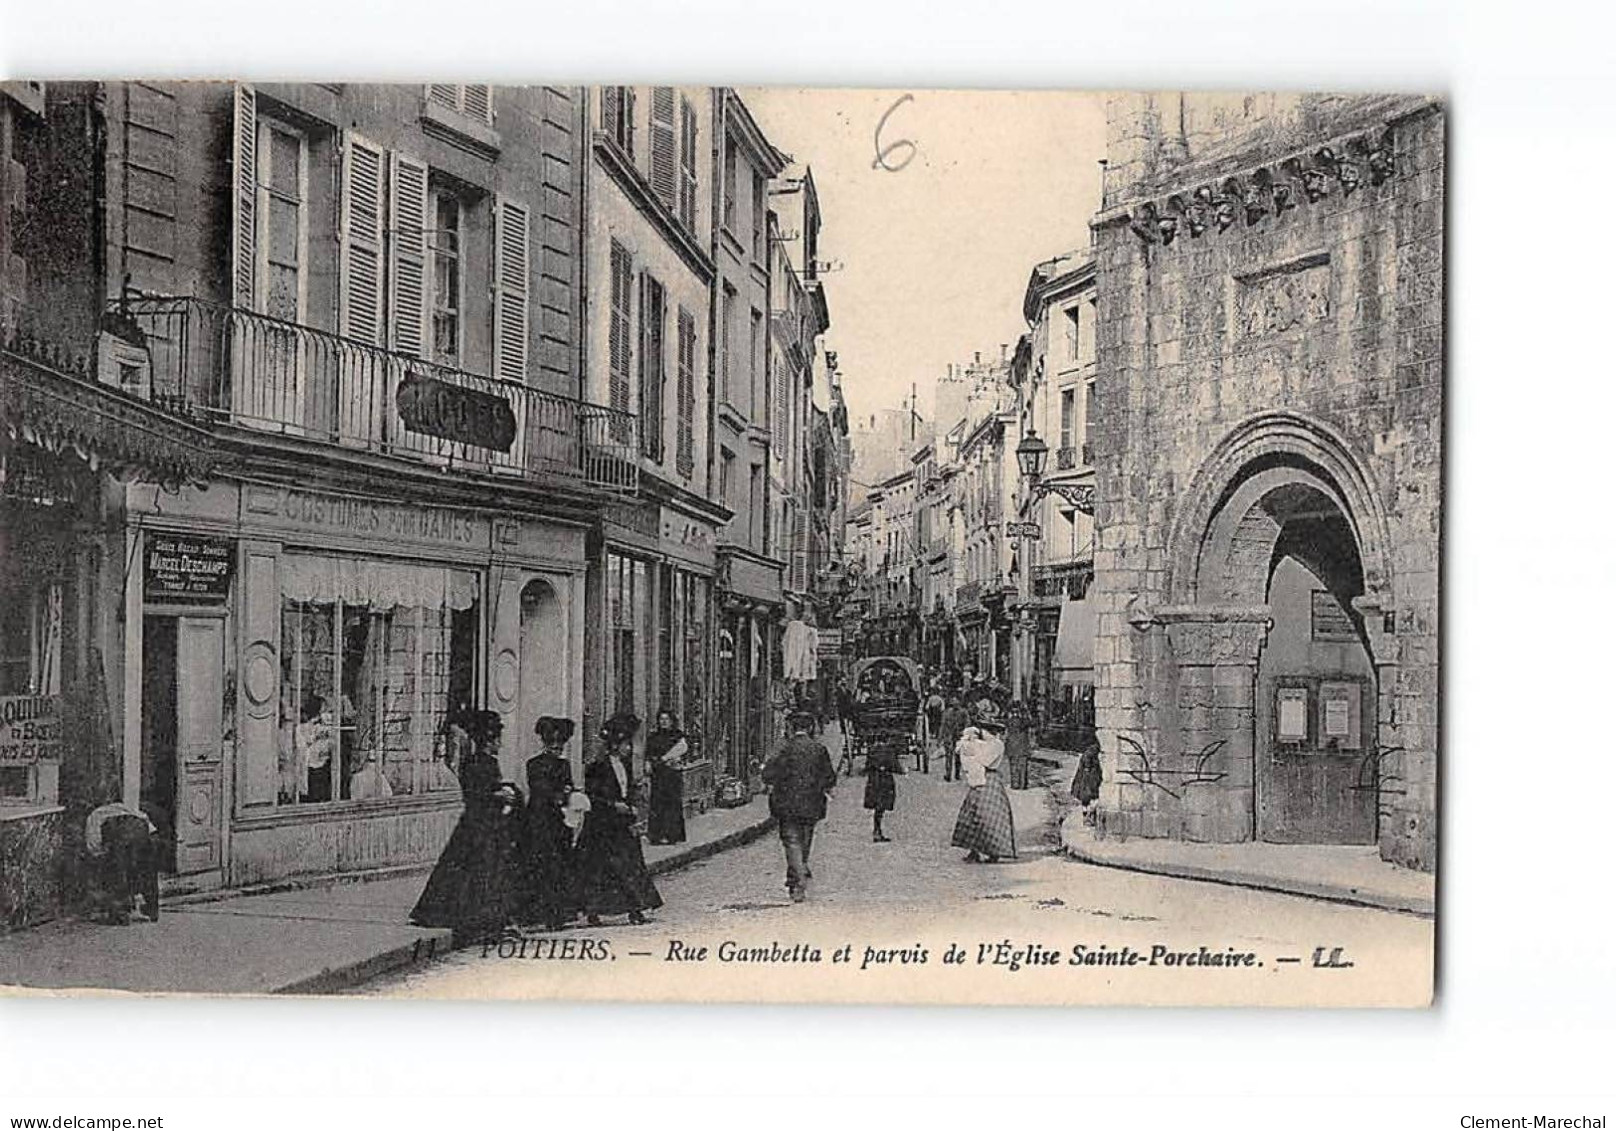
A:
(1031, 455)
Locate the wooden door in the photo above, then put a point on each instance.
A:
(199, 743)
(1316, 776)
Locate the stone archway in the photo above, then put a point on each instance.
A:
(1279, 570)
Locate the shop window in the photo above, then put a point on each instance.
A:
(30, 688)
(629, 634)
(373, 657)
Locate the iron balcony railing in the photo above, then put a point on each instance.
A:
(1065, 458)
(259, 372)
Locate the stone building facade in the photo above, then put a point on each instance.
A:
(1268, 456)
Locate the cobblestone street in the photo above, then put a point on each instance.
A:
(918, 894)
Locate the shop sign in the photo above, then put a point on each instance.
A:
(30, 729)
(453, 412)
(348, 515)
(830, 642)
(1028, 530)
(188, 569)
(687, 539)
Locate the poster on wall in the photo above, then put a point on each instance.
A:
(186, 569)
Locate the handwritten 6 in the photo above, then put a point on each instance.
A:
(885, 151)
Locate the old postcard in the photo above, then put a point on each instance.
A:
(711, 544)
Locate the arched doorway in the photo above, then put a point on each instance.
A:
(1282, 539)
(1255, 713)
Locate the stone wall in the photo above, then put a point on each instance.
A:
(1298, 280)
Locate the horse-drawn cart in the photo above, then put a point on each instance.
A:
(886, 708)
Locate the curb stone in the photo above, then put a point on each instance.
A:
(435, 943)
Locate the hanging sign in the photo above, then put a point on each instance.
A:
(30, 729)
(188, 569)
(454, 412)
(1030, 530)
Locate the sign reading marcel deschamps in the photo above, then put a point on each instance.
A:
(188, 569)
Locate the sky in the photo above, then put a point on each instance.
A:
(934, 249)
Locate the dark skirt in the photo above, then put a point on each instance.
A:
(550, 894)
(1086, 782)
(611, 867)
(880, 789)
(666, 824)
(471, 889)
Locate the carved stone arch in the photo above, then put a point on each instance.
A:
(1320, 458)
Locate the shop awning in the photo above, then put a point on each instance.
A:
(45, 405)
(1074, 639)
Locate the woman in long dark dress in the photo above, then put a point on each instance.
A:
(880, 786)
(1018, 746)
(470, 889)
(551, 895)
(664, 750)
(611, 864)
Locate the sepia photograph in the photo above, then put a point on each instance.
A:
(721, 543)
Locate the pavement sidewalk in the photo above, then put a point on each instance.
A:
(313, 935)
(1336, 873)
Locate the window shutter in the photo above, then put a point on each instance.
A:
(407, 267)
(512, 235)
(479, 101)
(664, 148)
(244, 213)
(611, 111)
(621, 343)
(652, 352)
(686, 455)
(444, 94)
(360, 284)
(687, 164)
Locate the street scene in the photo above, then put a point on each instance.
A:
(714, 544)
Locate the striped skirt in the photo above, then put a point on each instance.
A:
(985, 824)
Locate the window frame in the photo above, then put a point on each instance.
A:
(438, 194)
(263, 178)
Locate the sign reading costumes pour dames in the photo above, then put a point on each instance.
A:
(188, 569)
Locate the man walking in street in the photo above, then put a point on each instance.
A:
(799, 775)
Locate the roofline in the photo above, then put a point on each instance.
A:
(771, 159)
(1041, 291)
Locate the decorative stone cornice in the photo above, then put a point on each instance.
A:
(49, 398)
(1262, 193)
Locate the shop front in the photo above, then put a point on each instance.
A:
(66, 446)
(749, 611)
(295, 653)
(653, 604)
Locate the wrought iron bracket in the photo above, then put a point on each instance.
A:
(1079, 495)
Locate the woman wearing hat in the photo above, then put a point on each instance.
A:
(551, 895)
(664, 750)
(470, 887)
(611, 864)
(986, 829)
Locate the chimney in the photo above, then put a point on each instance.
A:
(1002, 350)
(978, 357)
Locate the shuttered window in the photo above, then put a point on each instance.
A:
(687, 164)
(621, 348)
(512, 239)
(360, 283)
(686, 455)
(617, 116)
(664, 148)
(243, 219)
(475, 100)
(407, 266)
(653, 314)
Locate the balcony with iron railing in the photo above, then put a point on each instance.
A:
(233, 366)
